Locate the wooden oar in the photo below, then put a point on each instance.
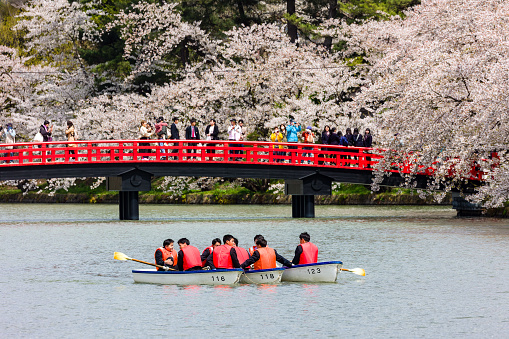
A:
(358, 271)
(122, 256)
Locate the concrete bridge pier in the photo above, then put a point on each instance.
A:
(129, 184)
(303, 191)
(465, 208)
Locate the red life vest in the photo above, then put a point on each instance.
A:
(242, 254)
(252, 249)
(211, 250)
(166, 255)
(309, 253)
(191, 257)
(222, 257)
(267, 258)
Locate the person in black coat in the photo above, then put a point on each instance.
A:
(333, 140)
(174, 134)
(46, 131)
(349, 137)
(368, 139)
(211, 133)
(192, 133)
(325, 141)
(357, 138)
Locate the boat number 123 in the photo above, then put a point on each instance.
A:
(313, 270)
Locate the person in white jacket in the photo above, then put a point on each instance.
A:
(10, 138)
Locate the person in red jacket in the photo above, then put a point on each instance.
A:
(242, 254)
(188, 257)
(224, 256)
(166, 255)
(265, 257)
(306, 252)
(208, 251)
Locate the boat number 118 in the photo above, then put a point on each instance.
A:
(218, 278)
(313, 270)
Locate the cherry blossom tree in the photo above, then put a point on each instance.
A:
(439, 79)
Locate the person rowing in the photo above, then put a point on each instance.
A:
(188, 257)
(306, 252)
(166, 255)
(208, 251)
(253, 248)
(265, 257)
(242, 254)
(224, 256)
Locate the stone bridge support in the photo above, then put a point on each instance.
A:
(129, 184)
(303, 191)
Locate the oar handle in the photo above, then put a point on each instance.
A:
(149, 263)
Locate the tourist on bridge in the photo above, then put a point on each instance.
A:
(242, 254)
(334, 139)
(349, 136)
(161, 131)
(145, 134)
(282, 130)
(277, 136)
(325, 135)
(174, 135)
(291, 134)
(46, 131)
(357, 138)
(308, 137)
(242, 137)
(368, 139)
(208, 251)
(234, 132)
(166, 255)
(188, 256)
(306, 252)
(9, 134)
(265, 257)
(70, 133)
(224, 256)
(211, 133)
(192, 133)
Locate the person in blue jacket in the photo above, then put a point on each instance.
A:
(291, 134)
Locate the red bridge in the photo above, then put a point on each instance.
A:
(309, 169)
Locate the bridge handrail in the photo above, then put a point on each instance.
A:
(207, 151)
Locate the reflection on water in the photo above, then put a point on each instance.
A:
(429, 274)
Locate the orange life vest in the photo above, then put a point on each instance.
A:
(252, 249)
(211, 250)
(242, 254)
(267, 258)
(191, 257)
(167, 254)
(222, 257)
(309, 253)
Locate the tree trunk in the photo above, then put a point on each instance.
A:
(184, 53)
(292, 29)
(242, 14)
(333, 11)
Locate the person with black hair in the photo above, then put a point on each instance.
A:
(224, 256)
(188, 257)
(357, 138)
(306, 252)
(254, 247)
(242, 254)
(265, 257)
(208, 251)
(166, 255)
(161, 132)
(174, 135)
(192, 133)
(211, 133)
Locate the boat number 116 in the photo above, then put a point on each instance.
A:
(313, 270)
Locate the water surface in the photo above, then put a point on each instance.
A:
(429, 274)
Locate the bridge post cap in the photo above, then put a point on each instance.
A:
(134, 171)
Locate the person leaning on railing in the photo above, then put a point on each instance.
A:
(145, 134)
(70, 133)
(277, 136)
(291, 134)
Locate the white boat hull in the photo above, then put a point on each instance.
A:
(313, 273)
(212, 277)
(267, 276)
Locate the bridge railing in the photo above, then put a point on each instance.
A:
(170, 151)
(189, 151)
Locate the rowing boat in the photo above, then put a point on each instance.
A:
(266, 276)
(212, 277)
(326, 271)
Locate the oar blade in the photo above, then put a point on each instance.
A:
(358, 271)
(120, 256)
